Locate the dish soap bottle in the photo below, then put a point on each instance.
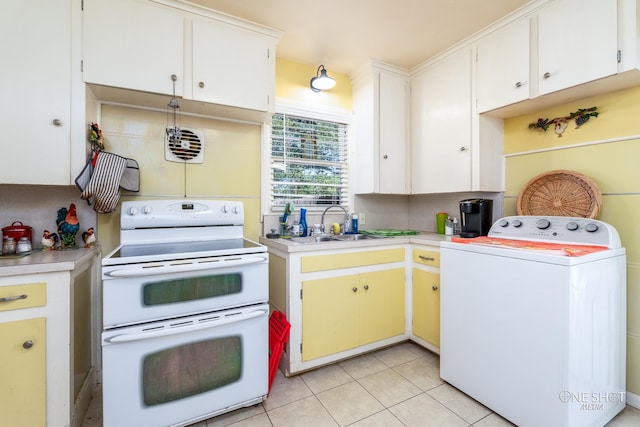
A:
(354, 224)
(303, 222)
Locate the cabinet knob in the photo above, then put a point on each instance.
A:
(56, 122)
(435, 288)
(463, 148)
(201, 84)
(354, 289)
(27, 344)
(518, 84)
(366, 287)
(385, 157)
(546, 75)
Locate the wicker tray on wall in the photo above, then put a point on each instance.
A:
(560, 193)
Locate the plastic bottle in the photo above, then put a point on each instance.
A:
(303, 222)
(354, 223)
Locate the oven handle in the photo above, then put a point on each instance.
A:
(182, 268)
(122, 338)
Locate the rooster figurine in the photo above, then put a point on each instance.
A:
(48, 240)
(68, 226)
(89, 238)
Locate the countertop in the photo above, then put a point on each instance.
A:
(46, 261)
(287, 245)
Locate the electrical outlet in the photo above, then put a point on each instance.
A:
(361, 219)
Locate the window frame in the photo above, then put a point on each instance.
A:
(315, 113)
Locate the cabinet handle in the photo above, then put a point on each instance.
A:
(366, 287)
(27, 344)
(435, 288)
(518, 84)
(426, 258)
(463, 148)
(385, 157)
(13, 298)
(56, 122)
(201, 84)
(354, 289)
(546, 75)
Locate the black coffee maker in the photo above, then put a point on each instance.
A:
(476, 217)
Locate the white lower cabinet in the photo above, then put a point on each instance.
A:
(48, 346)
(340, 303)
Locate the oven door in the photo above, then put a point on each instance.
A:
(181, 371)
(146, 292)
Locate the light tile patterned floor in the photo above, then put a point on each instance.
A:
(397, 386)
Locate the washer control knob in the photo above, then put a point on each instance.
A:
(133, 211)
(503, 223)
(224, 209)
(591, 227)
(572, 226)
(146, 210)
(236, 209)
(543, 224)
(517, 223)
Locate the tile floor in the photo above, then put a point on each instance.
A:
(397, 386)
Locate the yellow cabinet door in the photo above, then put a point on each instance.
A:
(381, 305)
(23, 369)
(426, 306)
(329, 316)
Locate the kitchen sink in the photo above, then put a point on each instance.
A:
(349, 237)
(334, 238)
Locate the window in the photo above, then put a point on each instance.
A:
(308, 162)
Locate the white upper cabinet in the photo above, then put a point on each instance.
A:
(441, 132)
(503, 66)
(133, 44)
(381, 105)
(577, 43)
(232, 65)
(218, 60)
(555, 52)
(39, 93)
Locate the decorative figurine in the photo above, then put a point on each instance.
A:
(48, 240)
(68, 226)
(89, 238)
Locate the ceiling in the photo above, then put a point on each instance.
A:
(344, 34)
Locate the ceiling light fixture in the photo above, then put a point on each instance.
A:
(321, 81)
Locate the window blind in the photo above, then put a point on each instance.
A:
(308, 162)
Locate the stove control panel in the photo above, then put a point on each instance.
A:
(180, 213)
(556, 229)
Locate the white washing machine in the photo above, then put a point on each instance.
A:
(533, 320)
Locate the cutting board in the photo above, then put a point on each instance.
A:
(389, 232)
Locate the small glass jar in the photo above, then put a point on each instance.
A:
(24, 245)
(9, 246)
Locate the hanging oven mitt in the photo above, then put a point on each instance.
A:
(131, 176)
(104, 185)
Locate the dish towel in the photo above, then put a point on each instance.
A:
(104, 185)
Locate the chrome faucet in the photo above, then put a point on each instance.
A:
(346, 217)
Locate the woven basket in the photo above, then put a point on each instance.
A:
(560, 193)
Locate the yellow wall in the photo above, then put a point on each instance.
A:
(231, 167)
(612, 165)
(292, 83)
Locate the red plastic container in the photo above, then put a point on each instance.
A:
(278, 336)
(17, 230)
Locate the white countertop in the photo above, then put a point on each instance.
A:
(46, 261)
(287, 245)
